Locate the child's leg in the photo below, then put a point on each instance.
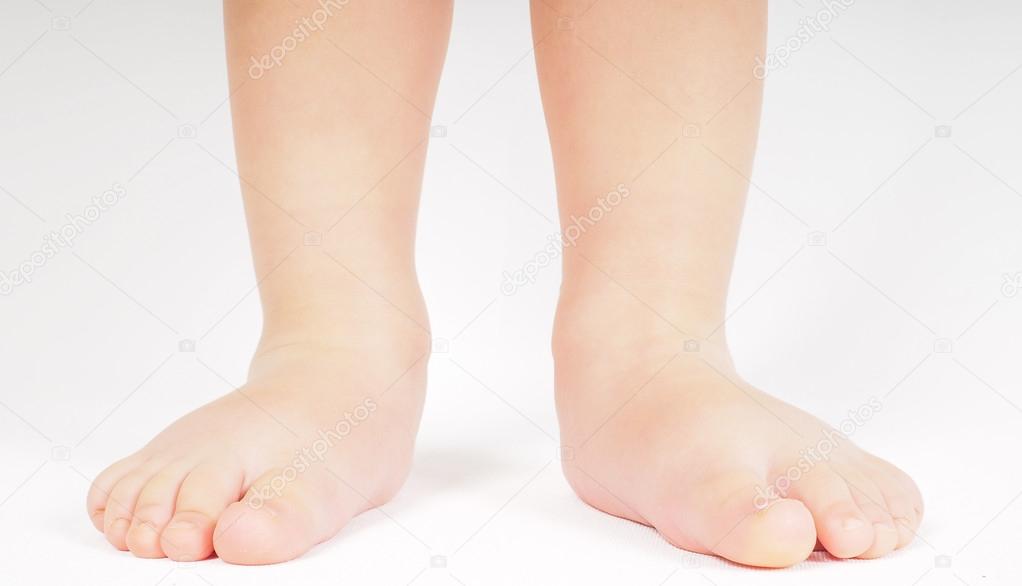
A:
(331, 139)
(660, 435)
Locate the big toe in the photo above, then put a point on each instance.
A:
(777, 536)
(279, 519)
(773, 535)
(269, 534)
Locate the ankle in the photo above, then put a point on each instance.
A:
(347, 319)
(603, 313)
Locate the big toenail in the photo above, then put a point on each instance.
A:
(852, 523)
(120, 525)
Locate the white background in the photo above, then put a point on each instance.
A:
(920, 232)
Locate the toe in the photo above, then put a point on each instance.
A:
(153, 510)
(778, 536)
(885, 534)
(281, 517)
(99, 491)
(841, 526)
(902, 498)
(773, 534)
(120, 506)
(202, 498)
(907, 527)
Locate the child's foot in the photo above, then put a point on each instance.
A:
(323, 430)
(676, 440)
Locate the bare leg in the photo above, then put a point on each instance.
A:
(653, 112)
(331, 107)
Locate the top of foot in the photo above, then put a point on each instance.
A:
(678, 441)
(263, 474)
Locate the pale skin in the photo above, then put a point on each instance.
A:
(656, 97)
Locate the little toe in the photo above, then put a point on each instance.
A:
(903, 502)
(120, 506)
(908, 486)
(280, 518)
(202, 498)
(841, 526)
(153, 511)
(99, 490)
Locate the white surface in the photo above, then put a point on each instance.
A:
(920, 231)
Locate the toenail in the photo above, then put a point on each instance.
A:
(120, 525)
(852, 523)
(181, 525)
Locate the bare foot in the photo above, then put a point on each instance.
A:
(323, 430)
(677, 441)
(330, 161)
